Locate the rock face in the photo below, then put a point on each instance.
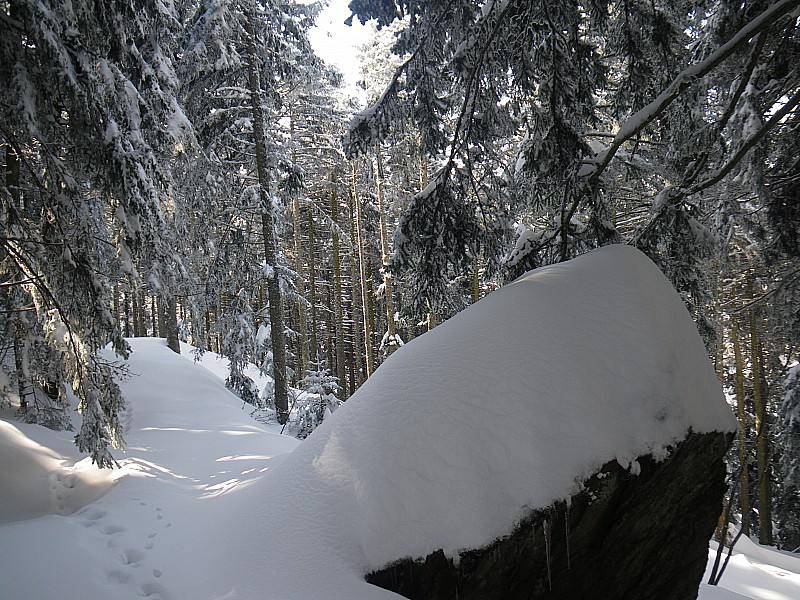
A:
(635, 533)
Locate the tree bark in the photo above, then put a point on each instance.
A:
(268, 230)
(337, 294)
(154, 316)
(387, 278)
(128, 312)
(169, 323)
(475, 283)
(300, 283)
(762, 435)
(741, 415)
(357, 312)
(368, 356)
(19, 359)
(312, 285)
(136, 313)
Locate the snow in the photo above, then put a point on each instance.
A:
(756, 572)
(514, 401)
(36, 481)
(504, 407)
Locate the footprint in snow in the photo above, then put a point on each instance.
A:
(154, 591)
(131, 558)
(117, 577)
(111, 529)
(61, 486)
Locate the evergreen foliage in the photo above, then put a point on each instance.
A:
(86, 110)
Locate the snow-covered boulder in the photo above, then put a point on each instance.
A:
(505, 410)
(638, 532)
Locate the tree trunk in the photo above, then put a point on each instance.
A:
(475, 283)
(19, 360)
(136, 314)
(337, 295)
(362, 276)
(12, 176)
(312, 285)
(330, 332)
(128, 313)
(300, 283)
(116, 307)
(762, 434)
(741, 415)
(154, 316)
(387, 278)
(432, 319)
(268, 231)
(169, 323)
(357, 312)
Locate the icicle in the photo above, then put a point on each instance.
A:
(566, 529)
(546, 530)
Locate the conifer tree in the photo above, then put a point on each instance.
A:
(87, 107)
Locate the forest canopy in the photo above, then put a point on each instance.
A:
(192, 170)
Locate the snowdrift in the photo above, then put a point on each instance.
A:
(506, 407)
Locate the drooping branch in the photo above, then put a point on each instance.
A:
(644, 117)
(748, 145)
(641, 119)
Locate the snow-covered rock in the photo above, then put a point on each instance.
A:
(507, 407)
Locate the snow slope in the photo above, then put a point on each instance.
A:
(503, 407)
(191, 449)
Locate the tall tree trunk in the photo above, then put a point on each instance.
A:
(330, 333)
(357, 312)
(128, 312)
(741, 415)
(12, 181)
(169, 322)
(300, 284)
(19, 360)
(337, 294)
(116, 307)
(762, 433)
(475, 283)
(268, 230)
(154, 316)
(135, 310)
(365, 291)
(312, 286)
(432, 319)
(387, 278)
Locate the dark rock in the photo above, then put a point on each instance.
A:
(625, 536)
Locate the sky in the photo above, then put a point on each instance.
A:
(337, 43)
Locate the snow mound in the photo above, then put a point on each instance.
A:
(507, 406)
(35, 480)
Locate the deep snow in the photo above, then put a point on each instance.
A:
(506, 406)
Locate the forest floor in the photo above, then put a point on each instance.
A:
(182, 518)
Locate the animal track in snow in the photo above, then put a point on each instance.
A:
(154, 591)
(95, 515)
(111, 529)
(131, 558)
(117, 577)
(132, 571)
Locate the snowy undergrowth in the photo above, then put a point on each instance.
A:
(212, 504)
